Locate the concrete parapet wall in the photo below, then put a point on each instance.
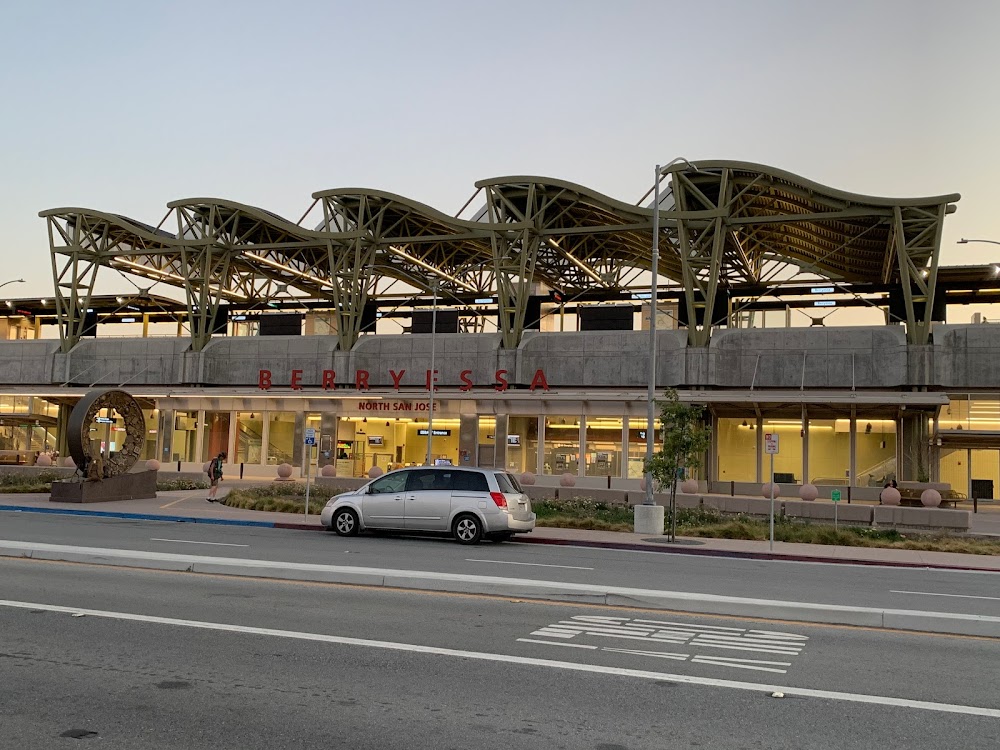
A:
(962, 356)
(612, 497)
(824, 512)
(921, 518)
(343, 484)
(140, 361)
(28, 362)
(534, 492)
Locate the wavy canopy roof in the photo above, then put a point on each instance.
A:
(578, 238)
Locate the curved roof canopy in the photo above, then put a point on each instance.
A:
(735, 221)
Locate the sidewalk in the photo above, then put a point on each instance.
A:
(189, 506)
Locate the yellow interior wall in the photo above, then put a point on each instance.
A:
(736, 451)
(955, 469)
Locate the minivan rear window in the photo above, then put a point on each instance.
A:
(508, 483)
(469, 481)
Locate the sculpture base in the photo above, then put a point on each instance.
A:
(137, 486)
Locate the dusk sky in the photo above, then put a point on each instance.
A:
(123, 106)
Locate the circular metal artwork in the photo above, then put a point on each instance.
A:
(84, 415)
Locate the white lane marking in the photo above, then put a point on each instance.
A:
(555, 643)
(189, 541)
(880, 700)
(714, 663)
(657, 654)
(534, 565)
(956, 596)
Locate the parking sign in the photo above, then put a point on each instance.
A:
(770, 442)
(310, 436)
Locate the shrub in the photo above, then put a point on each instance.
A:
(167, 485)
(26, 483)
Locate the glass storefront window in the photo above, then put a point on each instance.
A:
(562, 445)
(876, 451)
(522, 445)
(215, 434)
(637, 446)
(249, 437)
(736, 449)
(185, 437)
(788, 461)
(829, 451)
(281, 438)
(603, 453)
(152, 419)
(444, 442)
(955, 416)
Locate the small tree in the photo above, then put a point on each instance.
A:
(685, 440)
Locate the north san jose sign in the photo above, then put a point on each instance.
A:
(328, 381)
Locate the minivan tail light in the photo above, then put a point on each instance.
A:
(499, 499)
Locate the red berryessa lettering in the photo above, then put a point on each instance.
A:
(502, 383)
(539, 381)
(362, 378)
(464, 375)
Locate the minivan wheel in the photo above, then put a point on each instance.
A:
(345, 522)
(467, 529)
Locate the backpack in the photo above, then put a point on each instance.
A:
(215, 469)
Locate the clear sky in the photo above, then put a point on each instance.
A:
(123, 106)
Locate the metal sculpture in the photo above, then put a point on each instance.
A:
(83, 416)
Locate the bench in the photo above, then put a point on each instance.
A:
(911, 498)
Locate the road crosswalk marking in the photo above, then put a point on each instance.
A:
(701, 641)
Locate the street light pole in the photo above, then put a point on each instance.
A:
(651, 391)
(12, 281)
(964, 241)
(430, 399)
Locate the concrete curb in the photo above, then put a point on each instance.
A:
(752, 555)
(625, 546)
(937, 622)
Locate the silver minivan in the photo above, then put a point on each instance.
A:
(469, 504)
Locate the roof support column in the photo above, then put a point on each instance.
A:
(203, 264)
(917, 245)
(352, 267)
(701, 252)
(73, 276)
(515, 253)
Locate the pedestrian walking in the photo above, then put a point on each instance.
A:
(215, 476)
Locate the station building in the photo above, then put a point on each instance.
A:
(534, 307)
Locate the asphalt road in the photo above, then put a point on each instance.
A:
(242, 663)
(864, 586)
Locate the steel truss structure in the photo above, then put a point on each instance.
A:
(728, 229)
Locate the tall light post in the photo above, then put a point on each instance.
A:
(12, 281)
(430, 398)
(964, 241)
